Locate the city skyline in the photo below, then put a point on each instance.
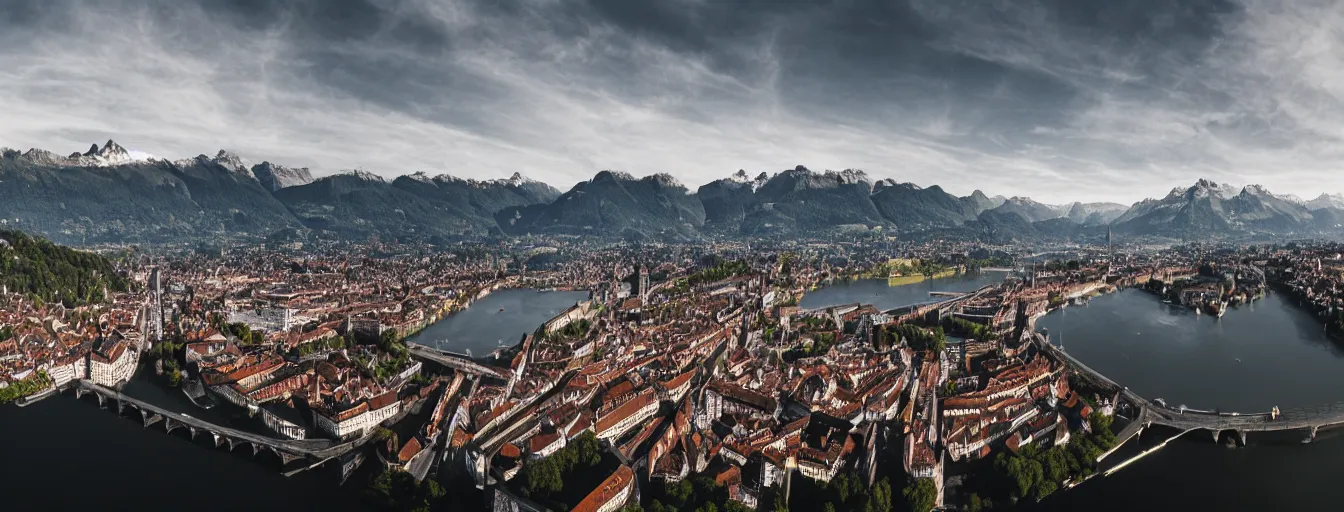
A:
(1058, 101)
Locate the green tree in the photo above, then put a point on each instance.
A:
(398, 490)
(973, 504)
(881, 501)
(922, 495)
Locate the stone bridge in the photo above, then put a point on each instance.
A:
(459, 362)
(917, 311)
(1155, 412)
(288, 450)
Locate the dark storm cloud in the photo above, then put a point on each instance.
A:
(1059, 99)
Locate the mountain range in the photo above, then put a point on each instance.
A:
(108, 194)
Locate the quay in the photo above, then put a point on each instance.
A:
(945, 294)
(37, 397)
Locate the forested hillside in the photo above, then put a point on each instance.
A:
(38, 268)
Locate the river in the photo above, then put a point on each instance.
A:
(68, 454)
(1255, 357)
(878, 293)
(499, 319)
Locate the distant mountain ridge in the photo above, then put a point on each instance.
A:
(110, 194)
(1208, 207)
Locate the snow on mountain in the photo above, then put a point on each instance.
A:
(742, 178)
(362, 174)
(1326, 201)
(275, 177)
(1293, 198)
(232, 162)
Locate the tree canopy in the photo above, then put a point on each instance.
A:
(53, 273)
(922, 495)
(398, 491)
(920, 338)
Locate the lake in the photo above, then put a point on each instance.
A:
(1255, 357)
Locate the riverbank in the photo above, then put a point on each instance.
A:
(919, 278)
(885, 296)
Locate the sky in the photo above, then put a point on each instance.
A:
(1059, 100)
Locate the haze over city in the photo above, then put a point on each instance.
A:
(1057, 100)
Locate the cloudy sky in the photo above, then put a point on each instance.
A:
(1056, 99)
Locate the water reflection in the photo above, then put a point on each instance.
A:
(1249, 360)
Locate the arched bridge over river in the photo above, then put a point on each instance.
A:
(288, 450)
(1153, 412)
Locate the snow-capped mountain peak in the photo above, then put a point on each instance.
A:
(109, 154)
(742, 178)
(1326, 201)
(516, 180)
(231, 161)
(1293, 198)
(851, 176)
(275, 177)
(1256, 190)
(363, 175)
(1205, 188)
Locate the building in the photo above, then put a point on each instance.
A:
(358, 420)
(612, 494)
(643, 283)
(542, 446)
(618, 420)
(66, 370)
(112, 365)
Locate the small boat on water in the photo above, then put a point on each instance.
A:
(501, 310)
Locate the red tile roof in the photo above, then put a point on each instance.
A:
(608, 490)
(630, 407)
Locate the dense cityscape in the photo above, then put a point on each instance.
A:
(671, 255)
(688, 379)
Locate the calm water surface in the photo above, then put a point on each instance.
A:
(1196, 474)
(68, 454)
(499, 319)
(1253, 358)
(884, 297)
(1156, 350)
(1257, 356)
